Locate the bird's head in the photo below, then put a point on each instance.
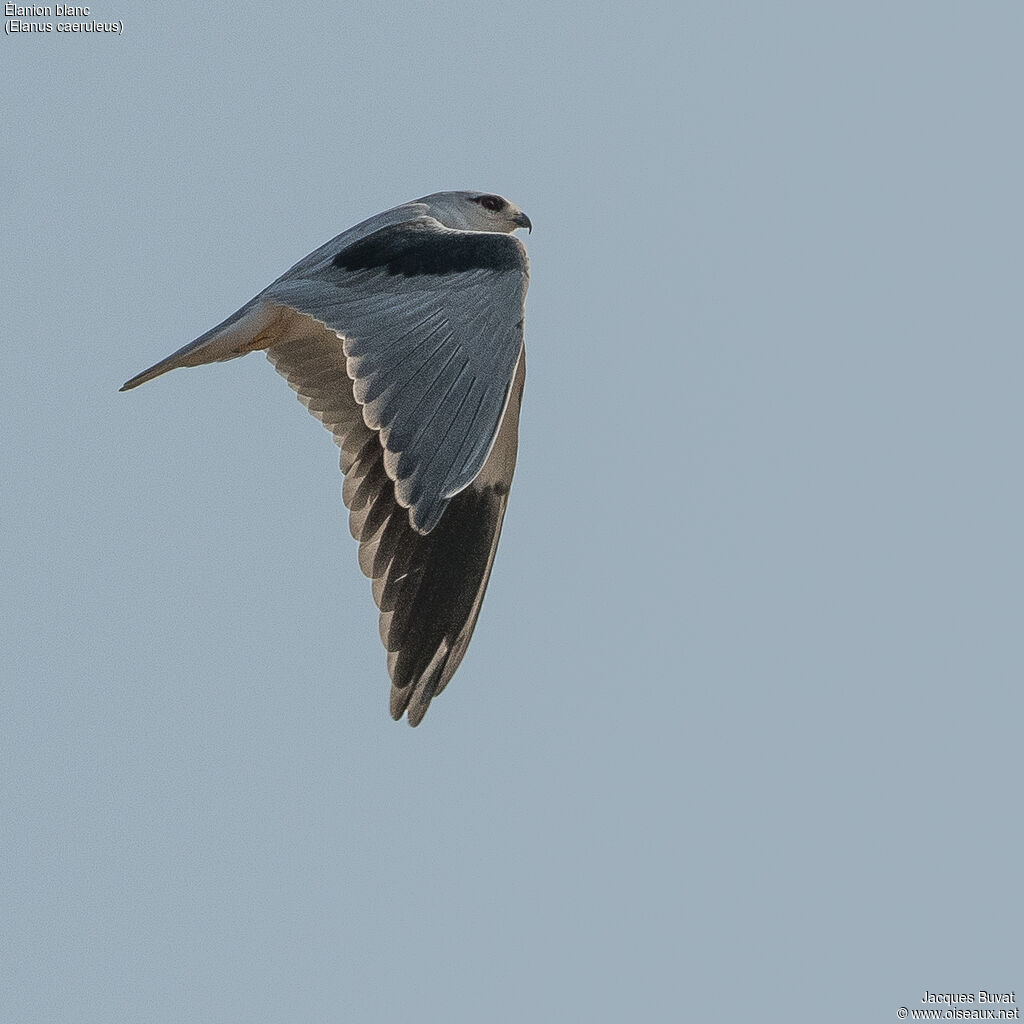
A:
(475, 211)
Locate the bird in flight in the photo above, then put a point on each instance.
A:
(404, 337)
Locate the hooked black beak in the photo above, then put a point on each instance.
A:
(522, 221)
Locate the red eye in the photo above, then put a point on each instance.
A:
(492, 203)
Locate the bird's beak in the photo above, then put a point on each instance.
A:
(522, 221)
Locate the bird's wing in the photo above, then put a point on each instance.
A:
(258, 322)
(431, 321)
(428, 586)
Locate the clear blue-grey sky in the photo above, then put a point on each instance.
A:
(738, 736)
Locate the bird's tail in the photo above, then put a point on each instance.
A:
(236, 336)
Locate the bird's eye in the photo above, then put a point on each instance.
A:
(492, 203)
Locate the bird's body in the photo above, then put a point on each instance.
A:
(404, 337)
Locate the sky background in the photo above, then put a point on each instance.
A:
(739, 733)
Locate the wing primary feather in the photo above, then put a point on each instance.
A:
(413, 376)
(425, 518)
(376, 374)
(469, 438)
(387, 413)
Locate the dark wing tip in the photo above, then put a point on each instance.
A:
(441, 578)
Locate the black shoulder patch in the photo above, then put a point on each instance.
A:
(409, 250)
